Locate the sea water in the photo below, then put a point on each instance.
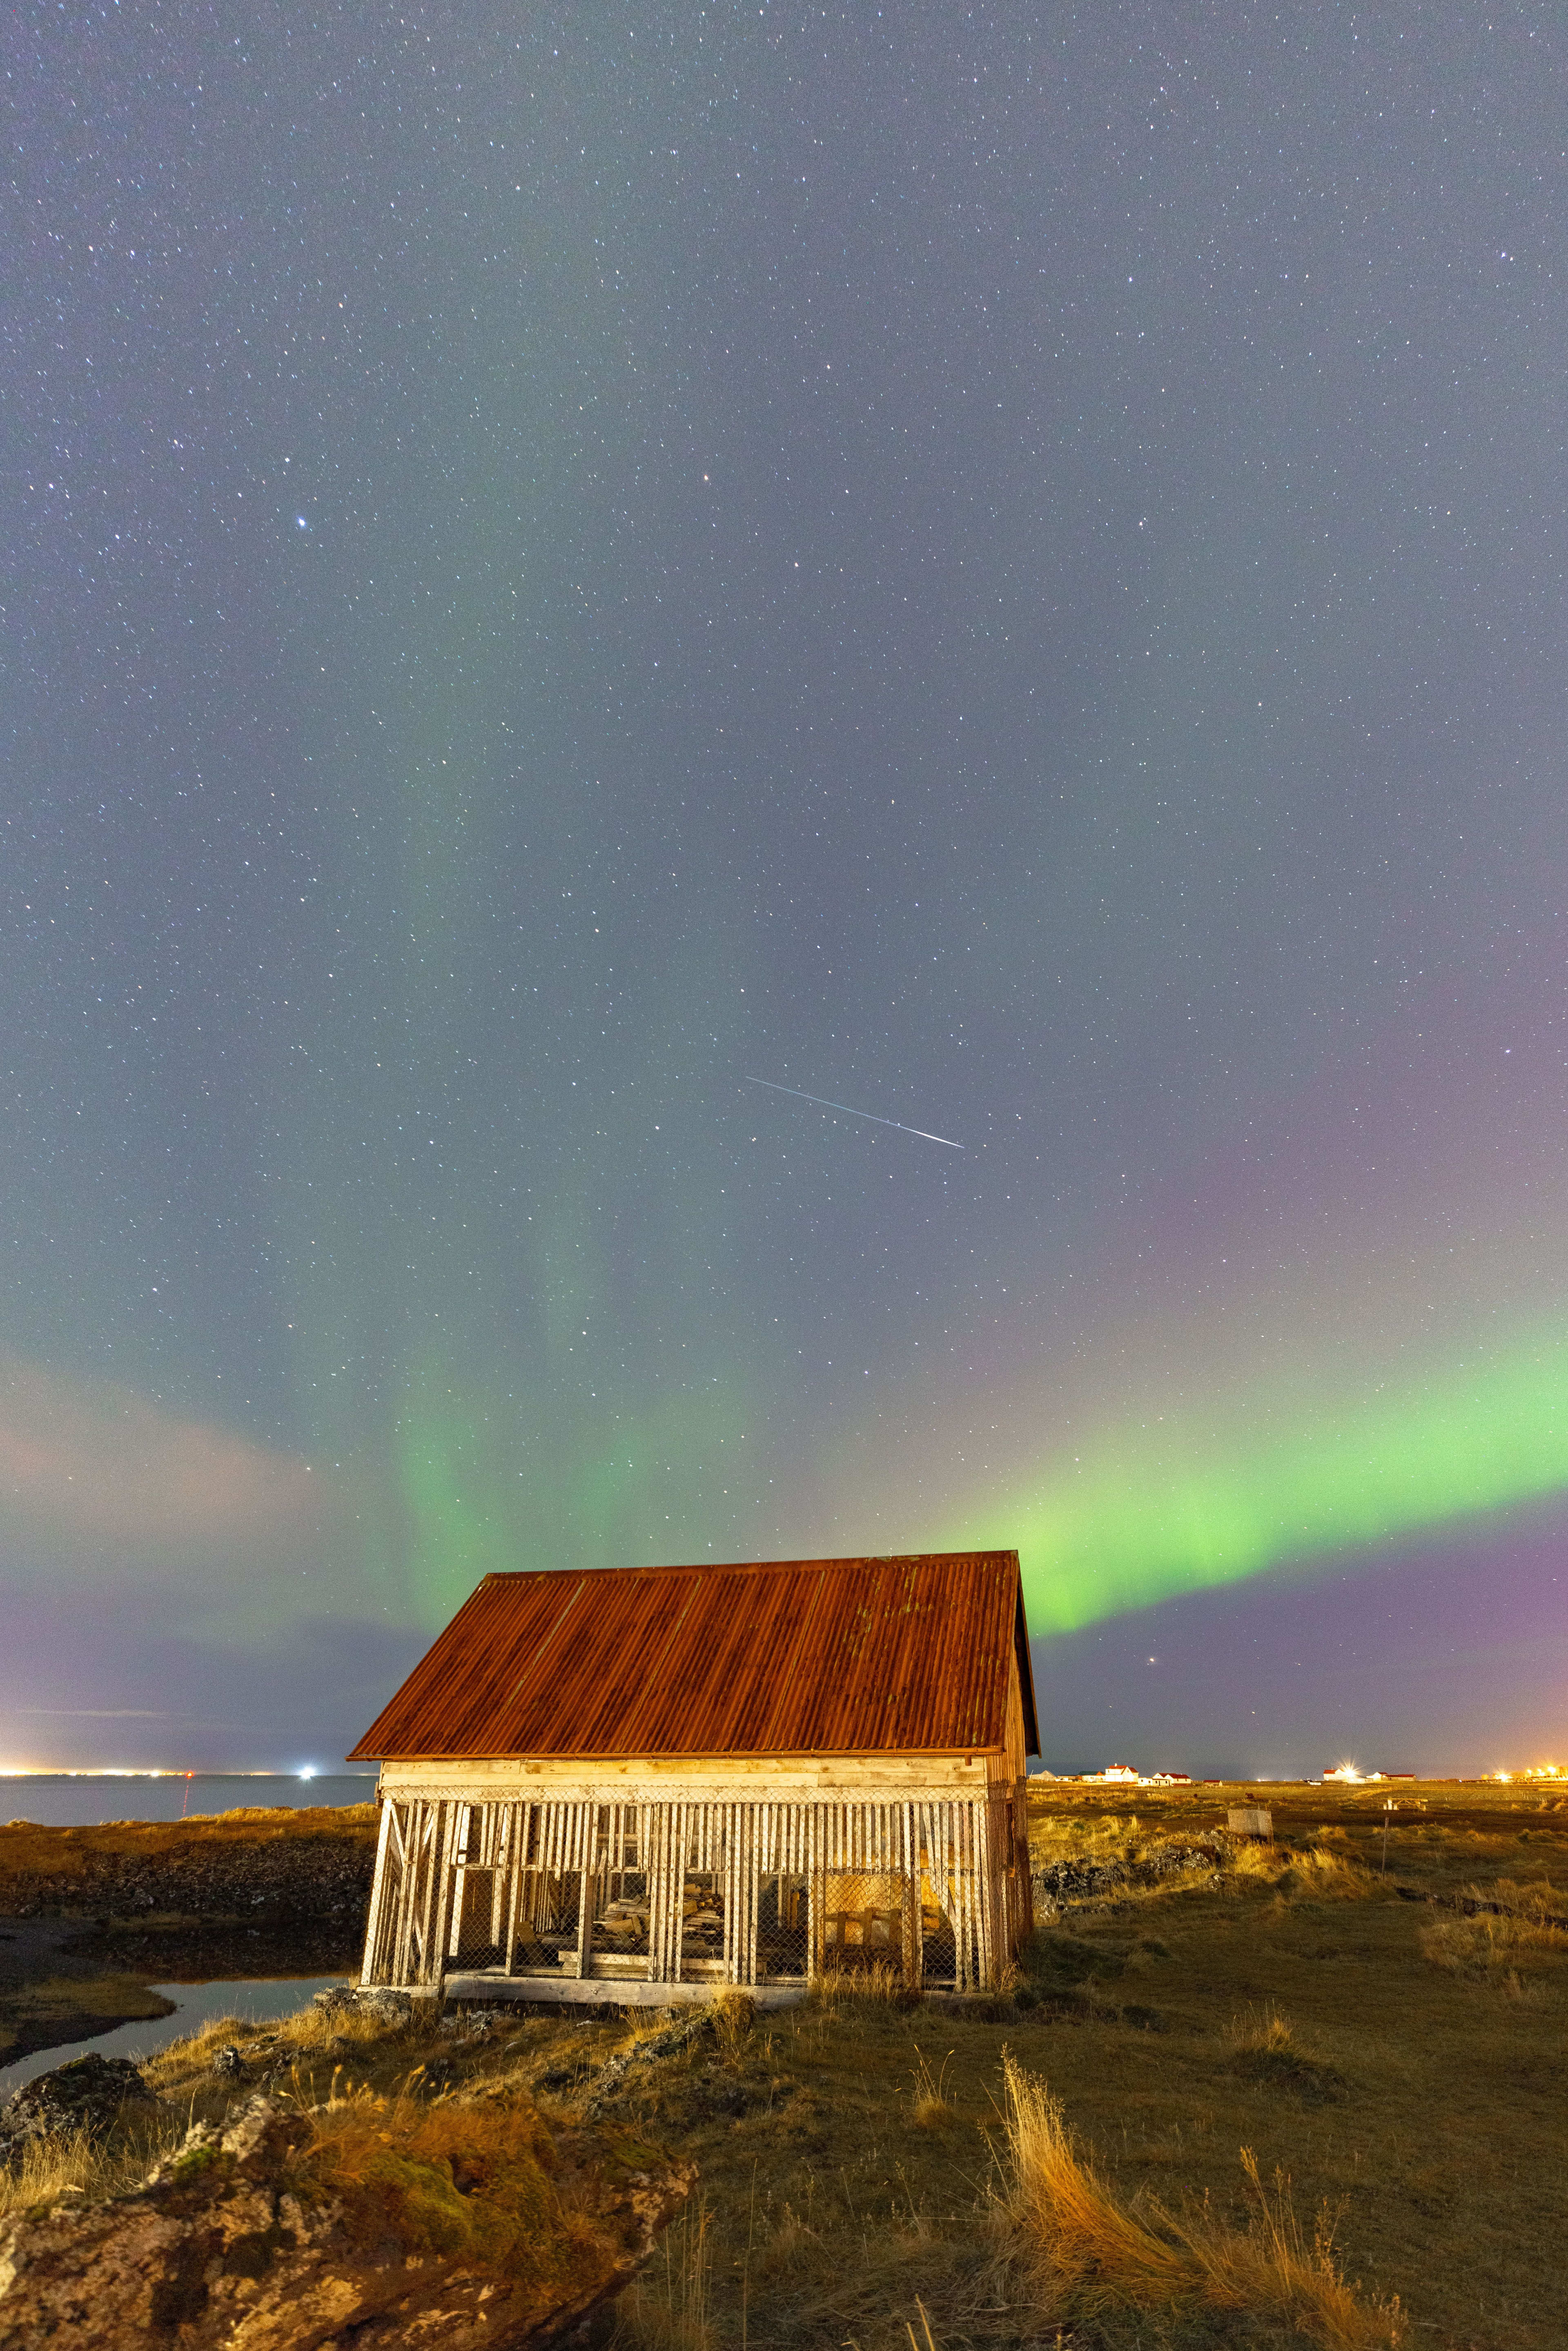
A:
(257, 2002)
(73, 1800)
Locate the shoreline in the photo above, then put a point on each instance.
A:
(90, 1919)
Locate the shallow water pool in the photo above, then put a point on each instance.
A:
(257, 2000)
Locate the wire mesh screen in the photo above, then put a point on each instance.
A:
(864, 1920)
(544, 1939)
(681, 1890)
(783, 1930)
(478, 1935)
(701, 1921)
(938, 1942)
(622, 1913)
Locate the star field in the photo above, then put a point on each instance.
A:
(1000, 569)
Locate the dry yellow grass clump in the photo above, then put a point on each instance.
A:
(931, 2107)
(77, 2164)
(880, 1983)
(1519, 1924)
(1089, 2251)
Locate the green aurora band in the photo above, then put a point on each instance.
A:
(1127, 1526)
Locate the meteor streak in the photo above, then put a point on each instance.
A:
(822, 1103)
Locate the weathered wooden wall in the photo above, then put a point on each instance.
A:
(451, 1860)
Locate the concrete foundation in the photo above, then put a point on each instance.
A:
(610, 1991)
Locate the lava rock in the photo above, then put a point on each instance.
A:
(90, 2094)
(234, 2240)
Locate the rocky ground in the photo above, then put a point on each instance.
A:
(1379, 2026)
(391, 2216)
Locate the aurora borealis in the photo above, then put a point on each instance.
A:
(1007, 571)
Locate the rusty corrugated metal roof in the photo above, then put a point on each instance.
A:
(800, 1657)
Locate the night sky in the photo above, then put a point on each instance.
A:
(1003, 569)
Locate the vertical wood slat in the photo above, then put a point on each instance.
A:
(378, 1895)
(443, 1850)
(383, 1898)
(816, 1891)
(659, 1838)
(667, 1910)
(520, 1825)
(453, 1895)
(408, 1894)
(500, 1853)
(419, 1891)
(587, 1886)
(980, 1817)
(411, 1951)
(400, 1894)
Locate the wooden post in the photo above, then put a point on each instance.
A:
(520, 1843)
(462, 1848)
(587, 1885)
(914, 1954)
(442, 1842)
(407, 1836)
(378, 1887)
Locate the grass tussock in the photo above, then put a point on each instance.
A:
(1262, 2032)
(931, 2107)
(1519, 1924)
(81, 2167)
(1090, 2254)
(1266, 2051)
(1325, 1870)
(734, 2016)
(879, 1985)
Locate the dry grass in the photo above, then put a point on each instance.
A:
(1262, 2032)
(1089, 2252)
(931, 2107)
(669, 2307)
(880, 1985)
(1519, 1925)
(83, 2166)
(734, 2015)
(925, 2341)
(1325, 1869)
(837, 2214)
(1268, 2051)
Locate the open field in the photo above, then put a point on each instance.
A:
(1399, 2058)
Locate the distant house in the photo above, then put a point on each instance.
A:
(642, 1783)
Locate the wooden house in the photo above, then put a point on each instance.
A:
(640, 1783)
